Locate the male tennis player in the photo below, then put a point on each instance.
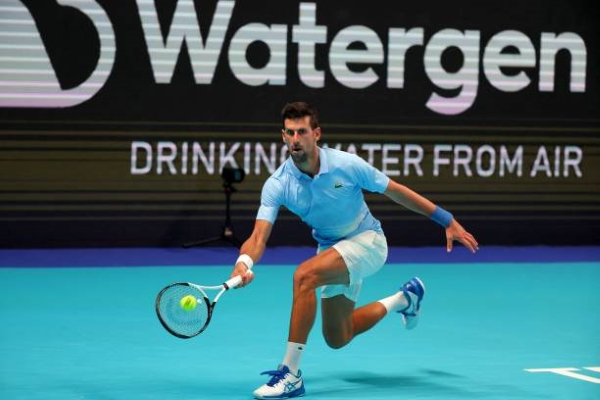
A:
(324, 188)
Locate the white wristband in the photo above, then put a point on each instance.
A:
(245, 258)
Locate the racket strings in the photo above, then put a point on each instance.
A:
(184, 322)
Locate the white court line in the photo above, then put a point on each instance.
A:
(569, 372)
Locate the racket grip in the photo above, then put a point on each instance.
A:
(233, 282)
(236, 280)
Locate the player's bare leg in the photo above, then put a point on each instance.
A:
(341, 322)
(326, 268)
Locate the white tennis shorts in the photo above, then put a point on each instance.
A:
(364, 255)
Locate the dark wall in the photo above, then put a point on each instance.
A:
(116, 118)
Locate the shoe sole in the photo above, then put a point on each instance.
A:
(410, 322)
(422, 287)
(280, 397)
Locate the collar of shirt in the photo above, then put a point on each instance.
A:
(323, 167)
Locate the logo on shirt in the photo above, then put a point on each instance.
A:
(338, 185)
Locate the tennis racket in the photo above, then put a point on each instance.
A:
(189, 321)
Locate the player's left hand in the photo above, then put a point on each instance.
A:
(456, 232)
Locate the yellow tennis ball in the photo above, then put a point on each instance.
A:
(188, 303)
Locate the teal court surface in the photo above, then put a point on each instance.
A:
(505, 323)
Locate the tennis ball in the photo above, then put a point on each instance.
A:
(188, 303)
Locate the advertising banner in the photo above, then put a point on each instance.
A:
(117, 117)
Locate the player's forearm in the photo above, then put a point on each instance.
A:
(253, 248)
(255, 245)
(409, 199)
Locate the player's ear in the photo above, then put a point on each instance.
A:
(317, 132)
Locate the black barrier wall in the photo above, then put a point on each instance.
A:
(117, 117)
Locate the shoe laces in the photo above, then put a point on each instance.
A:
(276, 376)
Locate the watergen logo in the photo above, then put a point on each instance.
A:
(28, 80)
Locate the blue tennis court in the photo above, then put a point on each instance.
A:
(507, 323)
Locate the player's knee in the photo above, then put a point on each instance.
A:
(336, 341)
(337, 335)
(304, 279)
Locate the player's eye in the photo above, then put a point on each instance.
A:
(290, 132)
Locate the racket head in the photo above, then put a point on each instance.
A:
(175, 319)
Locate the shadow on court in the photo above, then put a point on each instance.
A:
(425, 383)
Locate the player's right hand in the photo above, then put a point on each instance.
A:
(242, 270)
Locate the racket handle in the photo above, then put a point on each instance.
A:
(235, 281)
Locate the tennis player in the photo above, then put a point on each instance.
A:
(324, 187)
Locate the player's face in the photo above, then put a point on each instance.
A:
(300, 138)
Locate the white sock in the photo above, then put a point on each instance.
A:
(395, 302)
(293, 354)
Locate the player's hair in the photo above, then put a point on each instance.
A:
(300, 109)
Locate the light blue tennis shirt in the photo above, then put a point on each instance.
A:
(332, 203)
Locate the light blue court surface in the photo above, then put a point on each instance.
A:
(86, 328)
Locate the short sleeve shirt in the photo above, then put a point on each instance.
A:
(332, 202)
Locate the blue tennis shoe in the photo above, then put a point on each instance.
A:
(413, 290)
(282, 385)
